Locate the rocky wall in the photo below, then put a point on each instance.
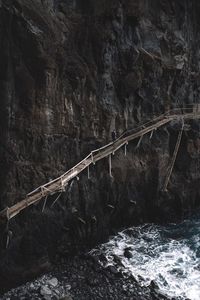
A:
(71, 72)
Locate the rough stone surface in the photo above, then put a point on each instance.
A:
(71, 72)
(53, 282)
(45, 290)
(80, 272)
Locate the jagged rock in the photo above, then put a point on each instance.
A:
(53, 282)
(68, 286)
(67, 297)
(45, 291)
(113, 269)
(127, 253)
(70, 73)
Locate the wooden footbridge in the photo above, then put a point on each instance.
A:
(59, 184)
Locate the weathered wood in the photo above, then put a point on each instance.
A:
(151, 134)
(44, 204)
(125, 149)
(171, 166)
(59, 184)
(139, 142)
(54, 202)
(110, 165)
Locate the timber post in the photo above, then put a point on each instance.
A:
(110, 165)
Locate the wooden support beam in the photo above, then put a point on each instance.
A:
(110, 206)
(62, 184)
(125, 149)
(139, 142)
(8, 238)
(171, 166)
(110, 165)
(81, 220)
(54, 202)
(44, 204)
(151, 134)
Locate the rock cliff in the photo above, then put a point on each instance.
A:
(72, 71)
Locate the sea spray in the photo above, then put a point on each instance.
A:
(168, 256)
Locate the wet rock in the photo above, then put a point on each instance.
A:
(53, 282)
(113, 270)
(113, 65)
(45, 291)
(127, 253)
(154, 285)
(92, 281)
(117, 260)
(105, 287)
(68, 287)
(66, 297)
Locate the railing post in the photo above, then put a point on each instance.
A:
(151, 134)
(42, 191)
(125, 149)
(44, 204)
(183, 123)
(92, 159)
(139, 142)
(62, 184)
(8, 238)
(88, 172)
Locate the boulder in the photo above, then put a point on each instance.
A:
(53, 282)
(45, 291)
(127, 253)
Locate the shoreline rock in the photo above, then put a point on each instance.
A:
(82, 278)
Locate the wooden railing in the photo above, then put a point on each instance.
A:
(59, 184)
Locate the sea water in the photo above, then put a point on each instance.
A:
(167, 255)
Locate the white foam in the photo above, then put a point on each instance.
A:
(171, 263)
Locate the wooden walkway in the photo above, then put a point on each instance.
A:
(58, 185)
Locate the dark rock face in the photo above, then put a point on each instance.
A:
(83, 279)
(70, 73)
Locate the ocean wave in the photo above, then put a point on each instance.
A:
(166, 255)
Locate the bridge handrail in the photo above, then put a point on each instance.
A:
(128, 131)
(145, 124)
(63, 179)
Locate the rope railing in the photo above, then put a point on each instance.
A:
(58, 184)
